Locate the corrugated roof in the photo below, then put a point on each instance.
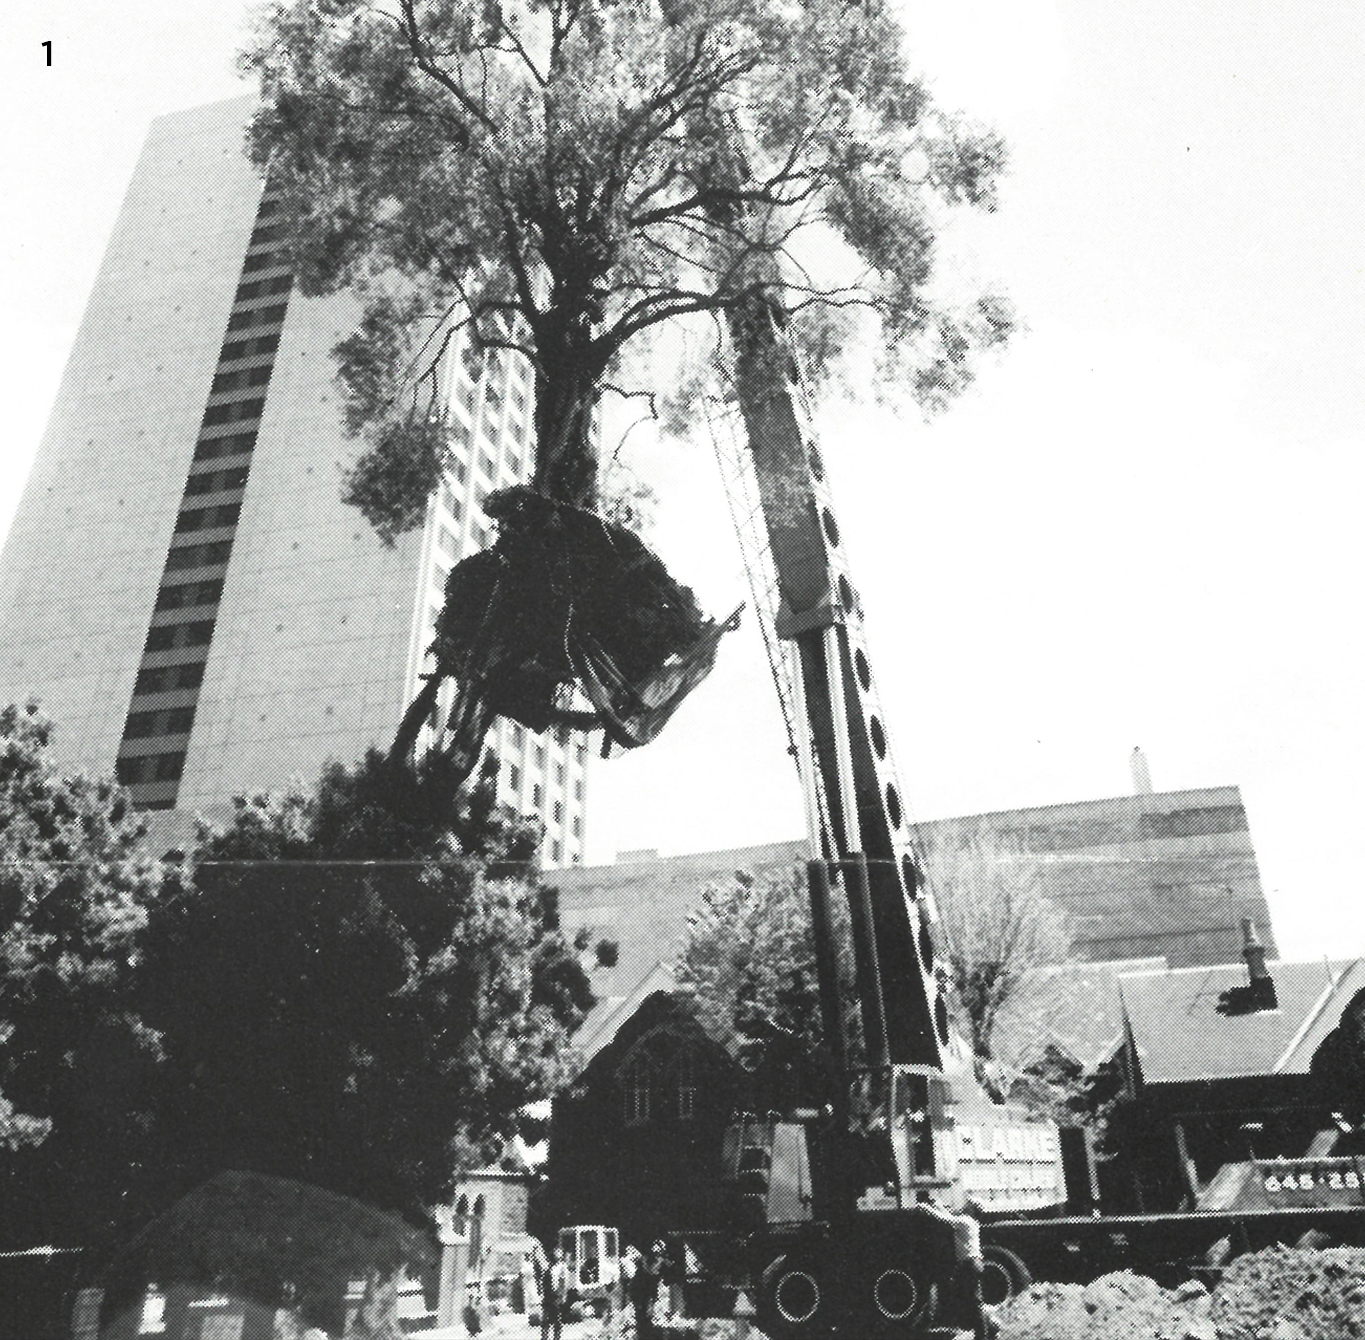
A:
(1181, 1035)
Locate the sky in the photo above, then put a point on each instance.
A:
(1138, 528)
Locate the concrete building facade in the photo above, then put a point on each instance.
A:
(1168, 876)
(183, 588)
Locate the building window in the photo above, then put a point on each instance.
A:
(446, 539)
(179, 721)
(161, 639)
(536, 795)
(577, 826)
(558, 817)
(151, 681)
(559, 774)
(140, 725)
(556, 850)
(169, 767)
(540, 755)
(514, 777)
(578, 789)
(128, 771)
(518, 735)
(635, 1090)
(686, 1088)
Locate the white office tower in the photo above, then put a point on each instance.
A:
(183, 588)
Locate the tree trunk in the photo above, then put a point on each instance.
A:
(566, 452)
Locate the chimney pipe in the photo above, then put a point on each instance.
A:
(1260, 983)
(1142, 779)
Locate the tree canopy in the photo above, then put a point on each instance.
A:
(556, 179)
(749, 959)
(76, 888)
(353, 989)
(358, 986)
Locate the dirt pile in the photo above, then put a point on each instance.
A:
(1287, 1293)
(1121, 1306)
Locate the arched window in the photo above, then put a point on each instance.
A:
(685, 1077)
(635, 1080)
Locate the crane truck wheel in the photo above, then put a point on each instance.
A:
(895, 1302)
(797, 1298)
(1003, 1275)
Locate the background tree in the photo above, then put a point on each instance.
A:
(749, 957)
(75, 891)
(357, 990)
(1001, 935)
(561, 178)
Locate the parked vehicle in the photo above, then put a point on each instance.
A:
(593, 1255)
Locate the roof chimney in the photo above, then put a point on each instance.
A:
(1142, 779)
(1260, 983)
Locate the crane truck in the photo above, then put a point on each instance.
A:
(913, 1199)
(853, 1215)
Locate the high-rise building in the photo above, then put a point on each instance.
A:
(182, 587)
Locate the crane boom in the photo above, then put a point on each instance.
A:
(853, 791)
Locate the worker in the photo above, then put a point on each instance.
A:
(554, 1296)
(644, 1289)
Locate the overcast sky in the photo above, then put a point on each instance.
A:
(1139, 528)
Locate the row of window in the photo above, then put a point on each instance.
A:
(147, 725)
(151, 768)
(198, 555)
(233, 381)
(262, 344)
(647, 1094)
(238, 444)
(217, 481)
(209, 518)
(561, 737)
(233, 411)
(163, 637)
(260, 260)
(189, 594)
(258, 316)
(263, 288)
(168, 678)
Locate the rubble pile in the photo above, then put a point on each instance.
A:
(1287, 1293)
(1121, 1306)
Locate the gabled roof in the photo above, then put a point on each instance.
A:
(1074, 1008)
(609, 1012)
(1181, 1035)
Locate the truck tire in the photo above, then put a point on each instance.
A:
(797, 1298)
(1003, 1276)
(896, 1302)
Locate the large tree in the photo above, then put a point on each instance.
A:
(561, 178)
(358, 989)
(75, 890)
